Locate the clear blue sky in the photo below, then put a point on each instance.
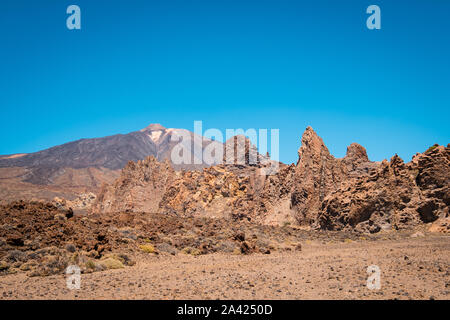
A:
(233, 64)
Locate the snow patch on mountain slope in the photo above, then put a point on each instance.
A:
(155, 135)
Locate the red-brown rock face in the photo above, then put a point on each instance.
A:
(395, 195)
(318, 174)
(237, 191)
(139, 188)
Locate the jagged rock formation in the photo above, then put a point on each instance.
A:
(395, 195)
(237, 189)
(318, 173)
(240, 188)
(219, 191)
(319, 191)
(242, 192)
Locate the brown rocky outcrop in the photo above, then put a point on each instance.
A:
(239, 189)
(395, 195)
(241, 192)
(320, 191)
(140, 187)
(318, 173)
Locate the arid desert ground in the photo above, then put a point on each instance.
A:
(411, 268)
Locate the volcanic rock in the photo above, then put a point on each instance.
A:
(318, 173)
(395, 195)
(139, 188)
(320, 191)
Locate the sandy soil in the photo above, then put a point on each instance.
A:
(411, 268)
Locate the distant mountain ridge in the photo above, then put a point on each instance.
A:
(111, 152)
(83, 166)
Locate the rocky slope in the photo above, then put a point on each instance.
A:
(41, 239)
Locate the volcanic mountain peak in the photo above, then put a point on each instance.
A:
(104, 156)
(153, 127)
(155, 131)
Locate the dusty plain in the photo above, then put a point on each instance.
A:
(411, 268)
